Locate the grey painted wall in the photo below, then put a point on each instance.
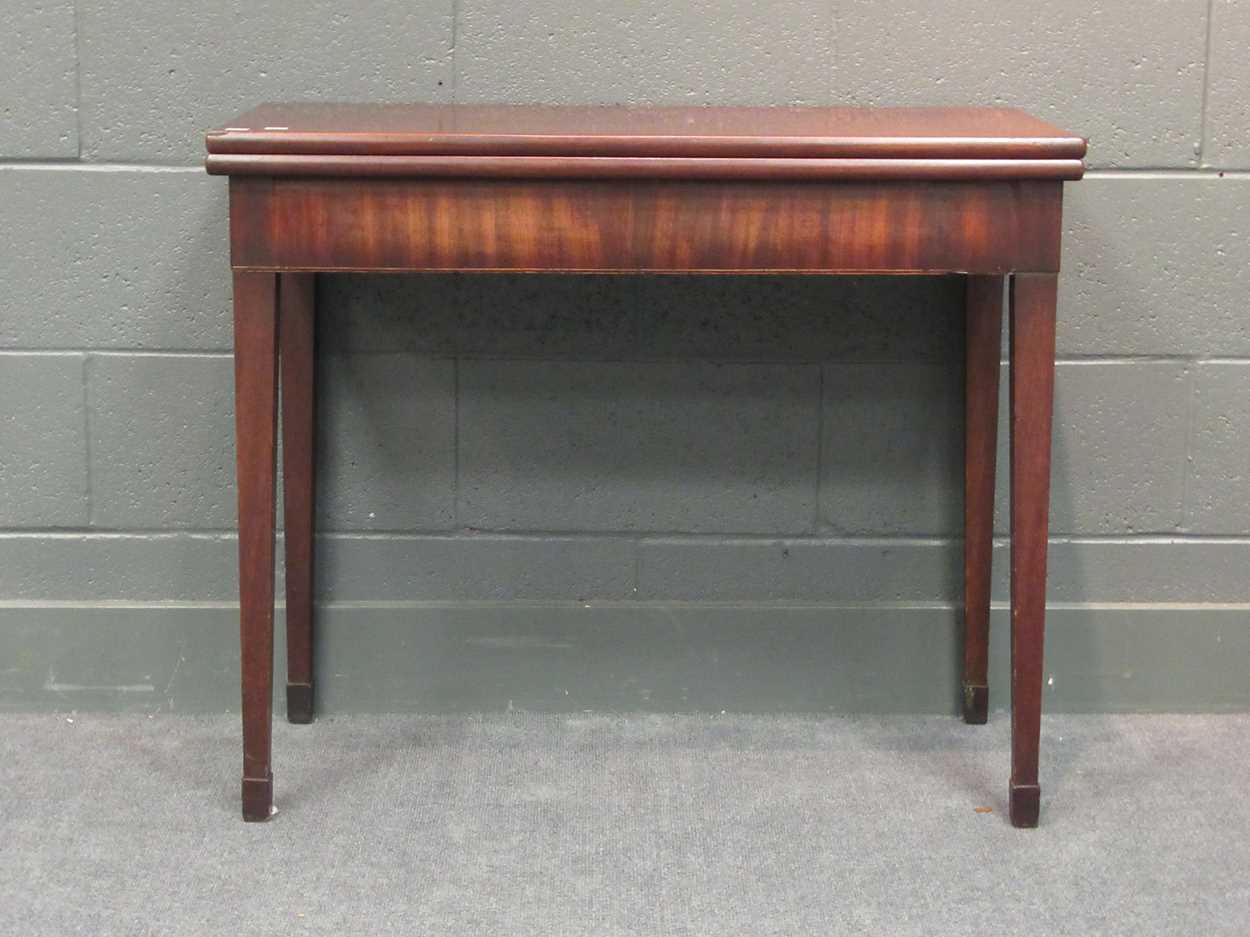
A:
(638, 492)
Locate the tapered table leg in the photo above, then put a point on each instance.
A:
(984, 315)
(256, 412)
(1032, 393)
(297, 313)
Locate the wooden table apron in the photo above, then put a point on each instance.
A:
(284, 228)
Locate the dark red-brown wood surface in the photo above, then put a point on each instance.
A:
(646, 167)
(256, 426)
(644, 225)
(984, 318)
(546, 130)
(296, 309)
(1032, 346)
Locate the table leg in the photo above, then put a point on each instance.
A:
(256, 402)
(296, 331)
(1032, 393)
(984, 315)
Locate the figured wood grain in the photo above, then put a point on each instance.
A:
(644, 225)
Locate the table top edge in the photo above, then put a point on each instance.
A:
(366, 130)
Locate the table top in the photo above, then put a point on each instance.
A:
(394, 139)
(544, 130)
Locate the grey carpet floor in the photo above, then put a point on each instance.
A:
(521, 824)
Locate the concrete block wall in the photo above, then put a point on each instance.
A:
(566, 493)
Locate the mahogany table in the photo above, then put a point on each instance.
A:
(335, 187)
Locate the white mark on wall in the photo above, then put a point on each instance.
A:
(102, 688)
(174, 676)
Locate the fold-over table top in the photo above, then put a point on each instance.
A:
(620, 141)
